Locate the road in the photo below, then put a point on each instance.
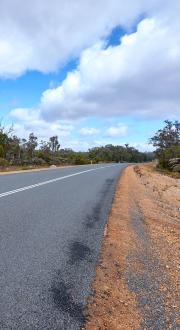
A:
(51, 229)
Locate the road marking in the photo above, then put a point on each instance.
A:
(7, 193)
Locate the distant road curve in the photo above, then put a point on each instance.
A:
(51, 229)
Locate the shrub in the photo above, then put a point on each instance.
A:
(15, 162)
(174, 164)
(165, 155)
(55, 161)
(2, 153)
(176, 168)
(3, 162)
(38, 161)
(167, 143)
(80, 160)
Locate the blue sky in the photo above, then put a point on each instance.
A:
(25, 90)
(91, 81)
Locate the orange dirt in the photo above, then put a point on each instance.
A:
(136, 284)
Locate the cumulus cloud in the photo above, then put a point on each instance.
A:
(28, 120)
(89, 131)
(143, 146)
(140, 76)
(42, 35)
(117, 131)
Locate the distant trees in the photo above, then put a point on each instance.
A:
(81, 158)
(167, 143)
(16, 151)
(110, 153)
(25, 152)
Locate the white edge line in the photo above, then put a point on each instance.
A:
(50, 181)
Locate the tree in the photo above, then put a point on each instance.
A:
(168, 136)
(4, 140)
(31, 145)
(167, 142)
(44, 151)
(14, 150)
(54, 143)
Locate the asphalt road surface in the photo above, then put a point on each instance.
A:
(51, 229)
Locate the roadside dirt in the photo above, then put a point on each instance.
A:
(136, 284)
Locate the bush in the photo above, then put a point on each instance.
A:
(174, 164)
(3, 162)
(55, 161)
(2, 153)
(176, 168)
(43, 155)
(166, 155)
(16, 162)
(167, 143)
(38, 161)
(80, 160)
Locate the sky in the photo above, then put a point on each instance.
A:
(92, 72)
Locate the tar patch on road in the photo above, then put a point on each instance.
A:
(64, 301)
(78, 252)
(92, 219)
(67, 289)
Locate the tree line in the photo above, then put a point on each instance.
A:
(17, 151)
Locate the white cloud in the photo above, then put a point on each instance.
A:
(78, 144)
(42, 35)
(89, 131)
(117, 131)
(28, 120)
(140, 76)
(142, 146)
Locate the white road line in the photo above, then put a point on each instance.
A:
(7, 193)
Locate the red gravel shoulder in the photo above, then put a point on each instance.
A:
(136, 284)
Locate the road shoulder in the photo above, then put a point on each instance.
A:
(136, 284)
